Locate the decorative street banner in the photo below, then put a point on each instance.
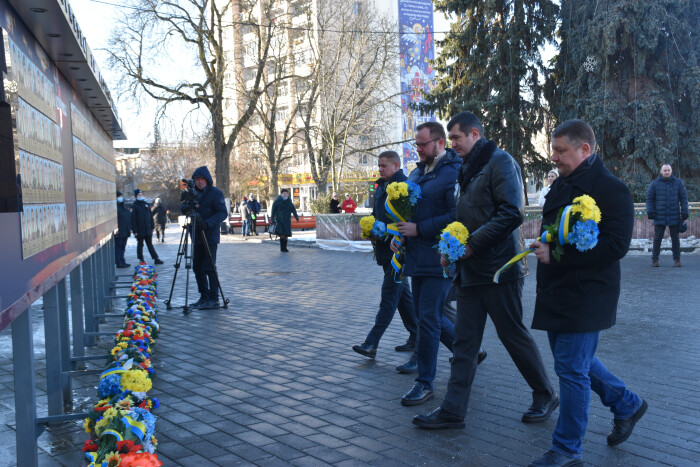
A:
(417, 76)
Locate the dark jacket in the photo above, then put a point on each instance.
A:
(335, 206)
(141, 219)
(382, 249)
(281, 213)
(210, 207)
(667, 200)
(254, 206)
(434, 211)
(158, 212)
(579, 293)
(490, 207)
(123, 221)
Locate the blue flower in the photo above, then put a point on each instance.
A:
(413, 192)
(378, 229)
(450, 247)
(145, 417)
(584, 235)
(110, 385)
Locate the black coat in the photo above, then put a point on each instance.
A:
(123, 221)
(210, 207)
(158, 212)
(281, 213)
(579, 293)
(667, 200)
(141, 219)
(382, 248)
(335, 206)
(490, 206)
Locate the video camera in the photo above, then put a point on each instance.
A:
(188, 198)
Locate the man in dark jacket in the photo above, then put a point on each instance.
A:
(159, 219)
(393, 294)
(335, 204)
(254, 208)
(577, 295)
(667, 205)
(490, 207)
(436, 174)
(142, 226)
(123, 231)
(210, 211)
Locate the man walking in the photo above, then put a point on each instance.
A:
(123, 231)
(393, 294)
(142, 226)
(159, 219)
(254, 208)
(490, 207)
(667, 205)
(436, 174)
(577, 295)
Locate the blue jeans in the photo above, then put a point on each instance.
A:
(394, 295)
(580, 372)
(429, 295)
(245, 227)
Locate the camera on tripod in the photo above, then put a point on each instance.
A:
(188, 198)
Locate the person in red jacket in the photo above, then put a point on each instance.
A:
(348, 204)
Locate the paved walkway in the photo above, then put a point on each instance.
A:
(273, 379)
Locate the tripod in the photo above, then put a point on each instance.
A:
(186, 250)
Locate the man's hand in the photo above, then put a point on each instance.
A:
(541, 251)
(407, 229)
(684, 216)
(395, 248)
(468, 251)
(443, 262)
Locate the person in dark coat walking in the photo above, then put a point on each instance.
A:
(123, 231)
(667, 205)
(142, 226)
(159, 219)
(577, 295)
(254, 208)
(282, 210)
(393, 294)
(209, 213)
(490, 207)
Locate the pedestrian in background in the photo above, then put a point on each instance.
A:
(551, 177)
(349, 205)
(667, 206)
(245, 217)
(254, 208)
(282, 210)
(159, 219)
(142, 226)
(123, 231)
(335, 204)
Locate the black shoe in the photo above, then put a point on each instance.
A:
(123, 265)
(368, 350)
(157, 261)
(554, 459)
(411, 366)
(210, 305)
(479, 358)
(202, 300)
(622, 429)
(540, 411)
(417, 395)
(439, 419)
(409, 346)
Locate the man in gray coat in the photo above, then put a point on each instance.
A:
(667, 205)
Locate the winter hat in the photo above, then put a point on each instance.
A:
(137, 191)
(119, 193)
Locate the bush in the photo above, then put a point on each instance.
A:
(322, 204)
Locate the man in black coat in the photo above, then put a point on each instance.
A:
(254, 208)
(159, 219)
(393, 294)
(667, 205)
(209, 213)
(142, 226)
(123, 231)
(577, 295)
(490, 207)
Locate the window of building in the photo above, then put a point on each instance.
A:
(364, 159)
(282, 113)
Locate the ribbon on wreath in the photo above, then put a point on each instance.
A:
(393, 230)
(136, 427)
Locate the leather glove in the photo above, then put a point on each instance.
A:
(684, 216)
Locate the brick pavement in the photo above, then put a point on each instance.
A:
(273, 380)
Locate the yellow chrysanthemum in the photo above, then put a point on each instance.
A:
(136, 381)
(586, 208)
(459, 231)
(366, 223)
(89, 425)
(397, 190)
(123, 345)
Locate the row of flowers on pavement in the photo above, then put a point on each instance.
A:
(121, 425)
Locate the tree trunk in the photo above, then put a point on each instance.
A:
(222, 156)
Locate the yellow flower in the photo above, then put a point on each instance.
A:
(115, 350)
(125, 403)
(113, 459)
(459, 231)
(366, 223)
(123, 345)
(89, 425)
(396, 190)
(136, 381)
(586, 208)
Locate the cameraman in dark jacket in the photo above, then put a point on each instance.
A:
(667, 205)
(123, 231)
(142, 226)
(209, 212)
(393, 294)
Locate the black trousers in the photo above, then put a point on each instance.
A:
(659, 231)
(253, 224)
(204, 271)
(501, 302)
(149, 243)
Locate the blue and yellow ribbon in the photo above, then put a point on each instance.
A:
(546, 237)
(393, 230)
(114, 433)
(112, 371)
(136, 427)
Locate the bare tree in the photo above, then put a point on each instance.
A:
(150, 30)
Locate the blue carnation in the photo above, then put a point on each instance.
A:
(145, 417)
(450, 247)
(110, 385)
(413, 192)
(378, 229)
(584, 235)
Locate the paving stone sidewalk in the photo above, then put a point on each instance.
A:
(273, 379)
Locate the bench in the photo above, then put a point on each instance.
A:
(304, 223)
(236, 221)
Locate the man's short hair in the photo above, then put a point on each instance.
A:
(466, 121)
(391, 156)
(435, 128)
(284, 190)
(577, 132)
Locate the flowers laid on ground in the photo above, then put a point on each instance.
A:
(401, 200)
(372, 227)
(576, 225)
(121, 425)
(452, 244)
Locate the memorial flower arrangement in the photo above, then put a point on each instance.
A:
(576, 225)
(121, 424)
(452, 244)
(372, 227)
(401, 200)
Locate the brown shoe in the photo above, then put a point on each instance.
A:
(677, 263)
(655, 263)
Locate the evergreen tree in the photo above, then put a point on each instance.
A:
(490, 64)
(630, 69)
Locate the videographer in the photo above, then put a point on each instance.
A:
(208, 212)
